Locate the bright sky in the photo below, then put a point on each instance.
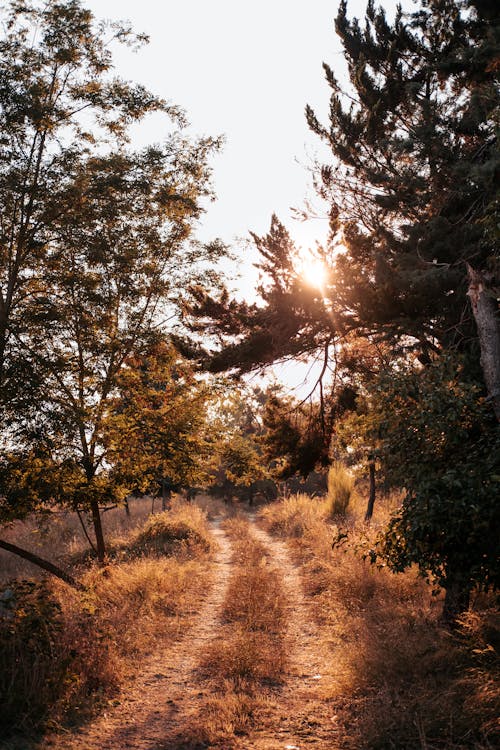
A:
(245, 70)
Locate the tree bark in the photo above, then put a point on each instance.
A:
(99, 536)
(456, 602)
(486, 314)
(371, 498)
(41, 563)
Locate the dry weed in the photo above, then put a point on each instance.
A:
(291, 516)
(402, 681)
(98, 637)
(249, 656)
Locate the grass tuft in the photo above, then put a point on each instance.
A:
(183, 530)
(340, 490)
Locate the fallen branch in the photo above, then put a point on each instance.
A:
(41, 563)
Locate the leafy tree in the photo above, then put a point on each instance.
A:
(439, 440)
(157, 424)
(297, 436)
(240, 466)
(93, 241)
(58, 103)
(412, 196)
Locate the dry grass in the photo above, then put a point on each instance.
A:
(249, 657)
(64, 653)
(58, 537)
(340, 490)
(293, 516)
(402, 681)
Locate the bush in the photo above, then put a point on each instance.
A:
(48, 657)
(340, 490)
(30, 621)
(293, 515)
(182, 530)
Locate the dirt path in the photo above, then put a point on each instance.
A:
(302, 716)
(158, 710)
(167, 692)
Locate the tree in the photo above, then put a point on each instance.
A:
(412, 196)
(157, 426)
(416, 174)
(58, 102)
(439, 440)
(239, 465)
(94, 239)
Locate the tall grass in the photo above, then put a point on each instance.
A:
(59, 538)
(64, 653)
(401, 680)
(340, 490)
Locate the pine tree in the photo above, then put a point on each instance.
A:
(415, 179)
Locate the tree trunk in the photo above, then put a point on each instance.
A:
(166, 496)
(456, 602)
(41, 563)
(371, 498)
(99, 536)
(486, 314)
(127, 508)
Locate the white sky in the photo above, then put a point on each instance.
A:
(245, 70)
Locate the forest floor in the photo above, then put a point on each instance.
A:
(166, 707)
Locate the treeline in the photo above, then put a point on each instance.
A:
(98, 255)
(406, 322)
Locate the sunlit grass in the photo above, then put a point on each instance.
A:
(400, 679)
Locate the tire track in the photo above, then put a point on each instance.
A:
(166, 693)
(302, 716)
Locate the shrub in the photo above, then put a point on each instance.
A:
(30, 621)
(182, 530)
(340, 490)
(292, 516)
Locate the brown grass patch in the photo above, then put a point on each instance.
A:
(248, 657)
(402, 681)
(65, 653)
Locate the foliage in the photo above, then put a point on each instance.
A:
(94, 245)
(416, 154)
(157, 422)
(297, 436)
(439, 440)
(239, 460)
(30, 626)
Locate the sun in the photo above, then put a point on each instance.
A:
(314, 273)
(311, 269)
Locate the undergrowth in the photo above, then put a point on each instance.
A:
(402, 680)
(64, 654)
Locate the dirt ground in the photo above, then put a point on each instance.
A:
(158, 709)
